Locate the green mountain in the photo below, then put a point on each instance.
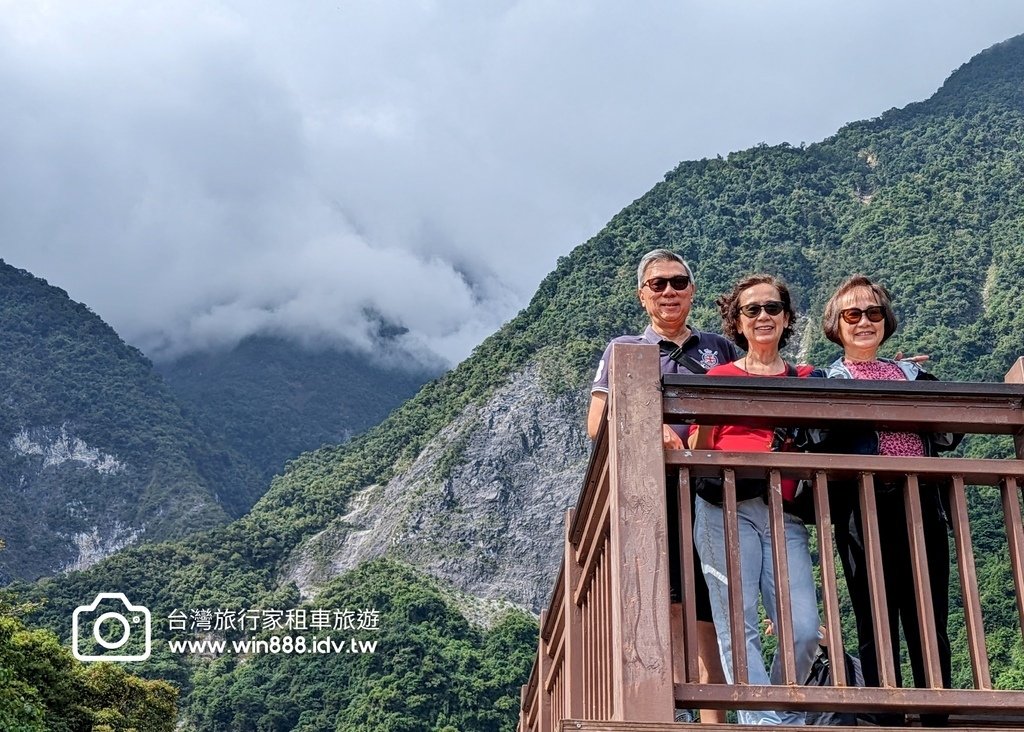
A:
(468, 479)
(270, 399)
(95, 453)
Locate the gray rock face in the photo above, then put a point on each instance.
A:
(482, 507)
(67, 504)
(50, 478)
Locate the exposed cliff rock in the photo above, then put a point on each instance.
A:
(482, 507)
(67, 504)
(97, 543)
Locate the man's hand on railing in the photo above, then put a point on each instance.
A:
(919, 358)
(669, 439)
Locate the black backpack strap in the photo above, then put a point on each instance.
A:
(790, 369)
(675, 352)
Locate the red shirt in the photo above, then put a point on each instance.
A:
(737, 438)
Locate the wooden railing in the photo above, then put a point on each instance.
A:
(606, 651)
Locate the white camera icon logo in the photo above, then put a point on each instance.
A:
(139, 616)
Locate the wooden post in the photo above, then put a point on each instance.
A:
(641, 633)
(1016, 376)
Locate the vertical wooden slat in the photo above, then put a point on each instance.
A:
(593, 648)
(969, 585)
(780, 566)
(588, 651)
(609, 659)
(638, 558)
(922, 582)
(876, 583)
(544, 721)
(600, 638)
(737, 626)
(606, 674)
(686, 551)
(592, 654)
(597, 633)
(572, 670)
(523, 702)
(829, 586)
(1014, 539)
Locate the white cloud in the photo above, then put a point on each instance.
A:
(197, 171)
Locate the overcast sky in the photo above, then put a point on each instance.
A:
(199, 170)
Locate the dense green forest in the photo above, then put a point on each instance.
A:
(44, 689)
(432, 670)
(67, 376)
(929, 199)
(271, 400)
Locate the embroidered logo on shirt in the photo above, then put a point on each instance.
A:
(708, 358)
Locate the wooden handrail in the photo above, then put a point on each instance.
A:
(912, 406)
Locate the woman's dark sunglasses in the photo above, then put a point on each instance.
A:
(875, 313)
(658, 284)
(772, 307)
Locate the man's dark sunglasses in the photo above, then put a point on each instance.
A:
(658, 284)
(875, 313)
(772, 307)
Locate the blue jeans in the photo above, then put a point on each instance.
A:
(758, 580)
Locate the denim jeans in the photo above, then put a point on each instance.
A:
(758, 580)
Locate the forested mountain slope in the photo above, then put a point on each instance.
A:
(95, 453)
(469, 478)
(271, 399)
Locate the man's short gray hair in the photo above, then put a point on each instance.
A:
(659, 255)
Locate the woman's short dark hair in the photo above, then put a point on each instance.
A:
(729, 306)
(833, 310)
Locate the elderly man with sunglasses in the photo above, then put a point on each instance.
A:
(665, 287)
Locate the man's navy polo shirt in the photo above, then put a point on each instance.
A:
(707, 349)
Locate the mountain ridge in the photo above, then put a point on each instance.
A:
(96, 453)
(272, 400)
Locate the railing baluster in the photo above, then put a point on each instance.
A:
(922, 582)
(572, 669)
(780, 565)
(1015, 539)
(604, 633)
(969, 584)
(689, 591)
(600, 638)
(829, 586)
(588, 657)
(876, 581)
(594, 692)
(737, 626)
(543, 665)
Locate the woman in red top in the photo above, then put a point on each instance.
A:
(758, 316)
